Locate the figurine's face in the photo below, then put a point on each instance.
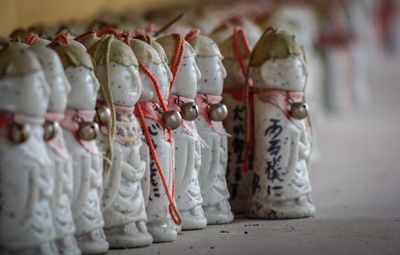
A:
(59, 86)
(125, 85)
(287, 74)
(28, 94)
(163, 75)
(234, 78)
(84, 87)
(187, 77)
(213, 74)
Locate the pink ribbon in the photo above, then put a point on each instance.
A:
(188, 126)
(58, 143)
(203, 101)
(281, 99)
(71, 122)
(7, 118)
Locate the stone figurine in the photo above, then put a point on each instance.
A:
(80, 132)
(236, 37)
(27, 181)
(156, 80)
(54, 137)
(236, 51)
(123, 201)
(186, 138)
(282, 148)
(214, 155)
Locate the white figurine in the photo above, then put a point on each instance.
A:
(80, 132)
(156, 77)
(236, 51)
(334, 43)
(123, 202)
(54, 137)
(27, 182)
(186, 138)
(214, 155)
(282, 143)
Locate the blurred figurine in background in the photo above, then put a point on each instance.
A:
(80, 132)
(236, 51)
(282, 144)
(54, 137)
(214, 155)
(334, 44)
(27, 181)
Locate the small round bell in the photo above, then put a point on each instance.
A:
(103, 116)
(189, 111)
(88, 130)
(299, 110)
(172, 119)
(218, 112)
(19, 133)
(51, 129)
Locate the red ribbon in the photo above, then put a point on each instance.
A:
(5, 121)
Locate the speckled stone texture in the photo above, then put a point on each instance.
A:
(356, 189)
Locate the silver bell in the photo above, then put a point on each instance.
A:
(218, 112)
(189, 111)
(103, 116)
(88, 130)
(19, 133)
(51, 129)
(298, 111)
(172, 119)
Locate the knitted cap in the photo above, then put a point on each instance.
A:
(107, 49)
(145, 53)
(205, 47)
(169, 44)
(18, 60)
(72, 53)
(274, 44)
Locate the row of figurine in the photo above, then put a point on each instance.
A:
(111, 138)
(116, 139)
(338, 37)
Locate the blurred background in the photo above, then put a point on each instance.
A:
(353, 55)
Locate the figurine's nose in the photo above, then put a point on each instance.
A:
(198, 73)
(223, 70)
(46, 88)
(96, 83)
(169, 73)
(67, 84)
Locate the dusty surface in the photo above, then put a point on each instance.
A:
(356, 188)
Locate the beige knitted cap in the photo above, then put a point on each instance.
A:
(227, 48)
(18, 60)
(107, 49)
(73, 54)
(274, 44)
(169, 44)
(205, 47)
(145, 53)
(48, 58)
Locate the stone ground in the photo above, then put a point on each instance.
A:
(356, 188)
